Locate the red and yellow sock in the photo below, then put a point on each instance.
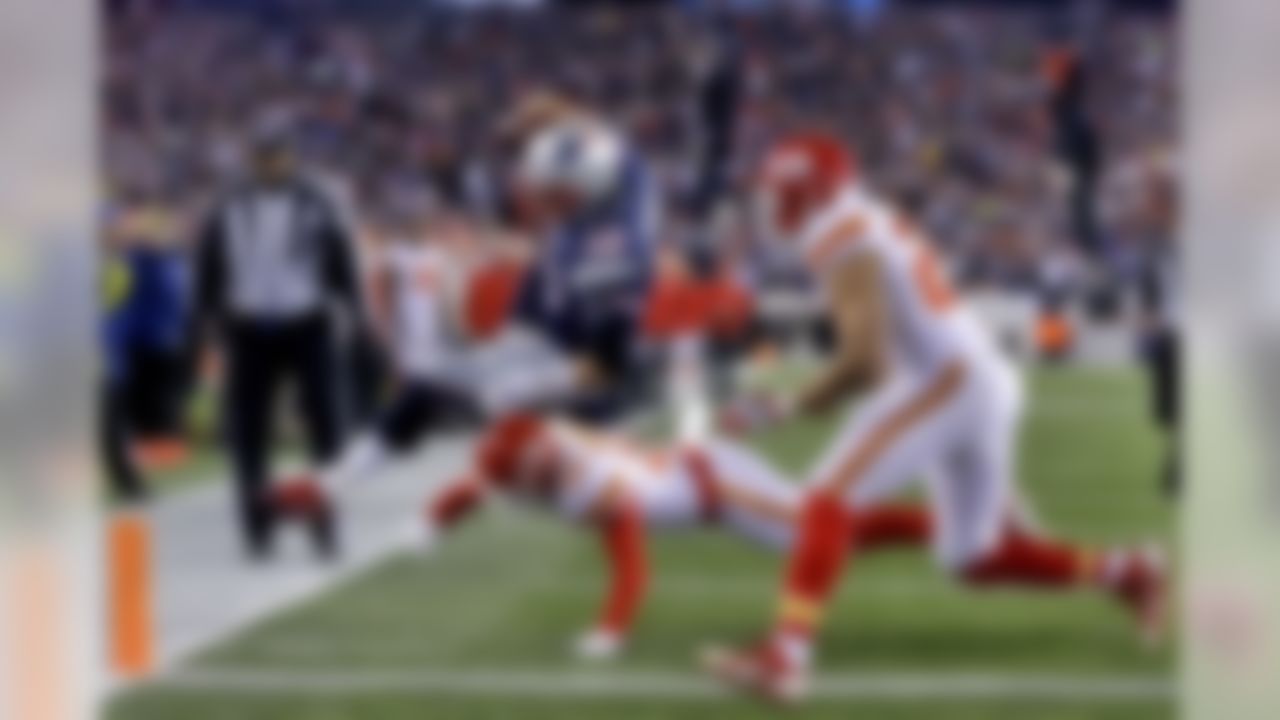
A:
(816, 563)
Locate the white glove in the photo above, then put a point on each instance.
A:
(598, 645)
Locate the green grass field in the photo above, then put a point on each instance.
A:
(481, 628)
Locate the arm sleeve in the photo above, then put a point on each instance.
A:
(623, 535)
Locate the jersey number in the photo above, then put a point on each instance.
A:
(933, 282)
(930, 277)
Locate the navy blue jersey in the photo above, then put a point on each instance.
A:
(589, 285)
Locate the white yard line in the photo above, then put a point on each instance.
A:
(517, 683)
(205, 588)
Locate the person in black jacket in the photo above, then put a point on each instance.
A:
(274, 264)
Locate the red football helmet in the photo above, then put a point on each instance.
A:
(798, 177)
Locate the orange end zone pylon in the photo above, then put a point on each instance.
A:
(129, 592)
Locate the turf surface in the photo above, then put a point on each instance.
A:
(506, 594)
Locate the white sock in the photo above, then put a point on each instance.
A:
(796, 649)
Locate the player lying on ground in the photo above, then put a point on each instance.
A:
(625, 490)
(443, 376)
(940, 405)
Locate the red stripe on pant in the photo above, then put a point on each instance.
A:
(885, 526)
(1024, 559)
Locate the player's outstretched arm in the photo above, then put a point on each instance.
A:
(854, 288)
(859, 362)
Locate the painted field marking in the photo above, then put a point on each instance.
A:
(498, 682)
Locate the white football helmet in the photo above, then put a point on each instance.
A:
(583, 157)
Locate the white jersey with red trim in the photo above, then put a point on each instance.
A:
(929, 326)
(423, 280)
(949, 411)
(599, 463)
(712, 481)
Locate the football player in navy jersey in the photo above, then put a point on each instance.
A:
(587, 195)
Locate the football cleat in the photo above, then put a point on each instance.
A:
(598, 645)
(764, 671)
(1140, 583)
(299, 496)
(302, 498)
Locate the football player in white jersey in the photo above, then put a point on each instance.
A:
(625, 490)
(939, 405)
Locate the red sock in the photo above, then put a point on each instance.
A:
(624, 544)
(886, 526)
(1027, 560)
(816, 562)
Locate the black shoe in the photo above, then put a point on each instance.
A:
(304, 501)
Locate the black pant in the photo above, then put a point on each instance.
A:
(424, 406)
(125, 482)
(156, 391)
(1164, 366)
(263, 356)
(367, 371)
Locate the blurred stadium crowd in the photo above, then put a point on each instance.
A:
(1034, 144)
(965, 114)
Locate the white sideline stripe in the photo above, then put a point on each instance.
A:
(206, 591)
(494, 682)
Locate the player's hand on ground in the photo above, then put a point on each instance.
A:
(752, 413)
(598, 645)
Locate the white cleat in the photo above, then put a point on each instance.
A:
(763, 671)
(1141, 584)
(598, 645)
